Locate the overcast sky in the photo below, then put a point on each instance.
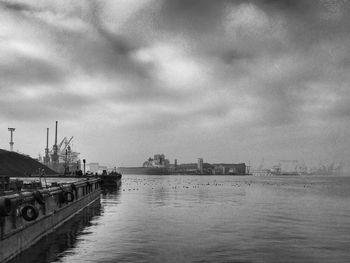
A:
(230, 81)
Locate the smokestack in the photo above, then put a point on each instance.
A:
(56, 133)
(47, 157)
(47, 139)
(54, 156)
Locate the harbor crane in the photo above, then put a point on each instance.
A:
(63, 158)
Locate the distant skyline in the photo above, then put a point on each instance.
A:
(228, 81)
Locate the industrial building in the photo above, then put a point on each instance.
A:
(211, 169)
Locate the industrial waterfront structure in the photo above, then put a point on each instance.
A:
(61, 158)
(211, 169)
(159, 165)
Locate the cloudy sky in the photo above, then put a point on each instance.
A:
(231, 81)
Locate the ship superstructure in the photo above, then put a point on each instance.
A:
(153, 166)
(158, 161)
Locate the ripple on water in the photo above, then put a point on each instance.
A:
(213, 219)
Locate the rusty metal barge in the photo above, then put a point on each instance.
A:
(28, 215)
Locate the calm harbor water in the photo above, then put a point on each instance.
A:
(208, 219)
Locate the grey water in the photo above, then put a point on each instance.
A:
(208, 219)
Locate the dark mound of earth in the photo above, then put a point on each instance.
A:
(15, 164)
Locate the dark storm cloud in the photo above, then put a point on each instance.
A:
(202, 23)
(194, 16)
(288, 5)
(179, 65)
(107, 56)
(118, 43)
(30, 71)
(55, 104)
(311, 21)
(15, 6)
(307, 21)
(98, 51)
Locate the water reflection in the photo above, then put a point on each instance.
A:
(217, 219)
(50, 248)
(110, 190)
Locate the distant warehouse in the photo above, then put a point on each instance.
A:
(229, 168)
(207, 168)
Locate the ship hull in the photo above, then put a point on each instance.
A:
(19, 233)
(110, 179)
(144, 170)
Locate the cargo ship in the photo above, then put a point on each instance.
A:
(157, 165)
(144, 170)
(161, 166)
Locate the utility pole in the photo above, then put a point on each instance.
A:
(11, 139)
(84, 161)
